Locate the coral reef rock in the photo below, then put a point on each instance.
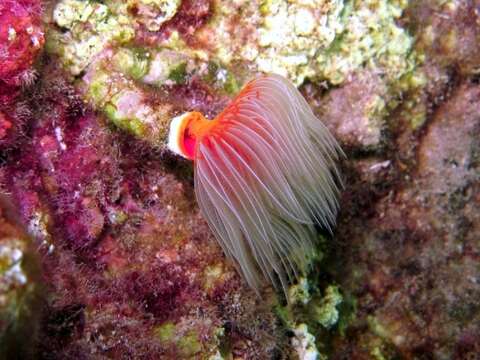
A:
(103, 250)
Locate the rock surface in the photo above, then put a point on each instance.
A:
(21, 290)
(129, 267)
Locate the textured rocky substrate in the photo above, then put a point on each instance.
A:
(103, 252)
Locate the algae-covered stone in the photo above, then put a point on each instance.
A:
(89, 28)
(116, 93)
(370, 37)
(188, 340)
(127, 111)
(299, 293)
(132, 62)
(165, 332)
(167, 65)
(189, 344)
(153, 13)
(326, 310)
(317, 39)
(304, 344)
(19, 293)
(92, 27)
(291, 33)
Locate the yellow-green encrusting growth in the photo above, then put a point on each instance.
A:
(326, 310)
(112, 86)
(88, 27)
(299, 293)
(304, 344)
(93, 42)
(326, 41)
(309, 313)
(319, 39)
(189, 342)
(134, 63)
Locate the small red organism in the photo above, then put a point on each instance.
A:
(21, 39)
(5, 125)
(13, 120)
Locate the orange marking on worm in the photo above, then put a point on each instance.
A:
(195, 126)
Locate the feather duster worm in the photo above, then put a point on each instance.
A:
(264, 175)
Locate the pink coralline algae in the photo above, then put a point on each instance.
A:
(21, 38)
(128, 265)
(124, 249)
(13, 119)
(67, 149)
(5, 125)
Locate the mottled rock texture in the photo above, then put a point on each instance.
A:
(411, 251)
(409, 234)
(21, 290)
(125, 252)
(21, 39)
(130, 269)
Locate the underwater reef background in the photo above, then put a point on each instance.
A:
(103, 251)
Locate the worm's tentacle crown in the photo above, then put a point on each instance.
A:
(265, 173)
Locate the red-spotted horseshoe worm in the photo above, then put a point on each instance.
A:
(265, 173)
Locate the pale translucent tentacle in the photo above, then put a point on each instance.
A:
(263, 176)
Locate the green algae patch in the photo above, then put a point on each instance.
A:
(117, 217)
(299, 293)
(285, 315)
(412, 103)
(131, 125)
(99, 89)
(168, 67)
(179, 73)
(382, 331)
(221, 78)
(189, 344)
(165, 333)
(231, 85)
(377, 354)
(347, 313)
(326, 311)
(132, 62)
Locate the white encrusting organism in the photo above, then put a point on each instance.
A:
(265, 174)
